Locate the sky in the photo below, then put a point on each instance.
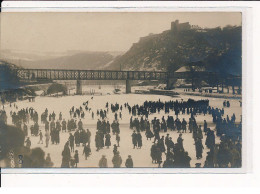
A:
(61, 32)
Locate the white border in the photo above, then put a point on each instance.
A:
(155, 7)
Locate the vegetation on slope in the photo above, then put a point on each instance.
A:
(216, 49)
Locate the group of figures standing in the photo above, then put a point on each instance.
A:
(226, 153)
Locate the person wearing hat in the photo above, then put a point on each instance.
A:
(210, 139)
(76, 158)
(103, 162)
(134, 139)
(129, 162)
(161, 144)
(170, 144)
(199, 148)
(167, 138)
(186, 160)
(115, 149)
(107, 140)
(28, 143)
(180, 141)
(139, 140)
(117, 160)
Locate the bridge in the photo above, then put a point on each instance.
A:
(79, 75)
(214, 79)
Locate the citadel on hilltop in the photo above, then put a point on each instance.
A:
(177, 27)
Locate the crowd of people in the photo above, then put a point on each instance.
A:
(226, 153)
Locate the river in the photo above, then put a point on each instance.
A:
(141, 157)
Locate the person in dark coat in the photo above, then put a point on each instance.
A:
(153, 152)
(98, 141)
(156, 135)
(102, 143)
(47, 126)
(88, 135)
(66, 156)
(139, 140)
(47, 138)
(158, 155)
(205, 127)
(84, 137)
(28, 143)
(41, 137)
(117, 139)
(131, 123)
(129, 162)
(76, 158)
(108, 127)
(186, 160)
(25, 130)
(149, 134)
(134, 139)
(64, 125)
(80, 125)
(103, 162)
(167, 138)
(180, 141)
(117, 160)
(209, 163)
(81, 135)
(170, 144)
(86, 151)
(199, 148)
(184, 125)
(107, 140)
(71, 142)
(77, 138)
(168, 163)
(161, 144)
(115, 149)
(48, 162)
(210, 140)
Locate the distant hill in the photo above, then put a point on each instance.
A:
(70, 60)
(216, 49)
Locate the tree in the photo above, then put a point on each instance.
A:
(56, 88)
(11, 138)
(194, 75)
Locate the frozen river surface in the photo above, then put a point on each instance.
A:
(141, 157)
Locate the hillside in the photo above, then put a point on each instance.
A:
(7, 76)
(72, 60)
(216, 49)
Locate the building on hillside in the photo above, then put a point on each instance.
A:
(178, 27)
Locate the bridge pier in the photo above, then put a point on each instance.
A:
(128, 87)
(79, 87)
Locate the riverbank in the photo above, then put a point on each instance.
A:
(177, 92)
(157, 92)
(214, 95)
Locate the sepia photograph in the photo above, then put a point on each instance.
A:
(121, 90)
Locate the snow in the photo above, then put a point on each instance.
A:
(141, 157)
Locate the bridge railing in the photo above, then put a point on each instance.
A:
(89, 74)
(60, 74)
